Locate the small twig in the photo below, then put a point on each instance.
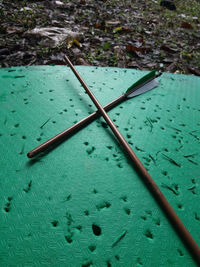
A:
(192, 189)
(22, 150)
(119, 239)
(154, 161)
(195, 163)
(28, 187)
(150, 123)
(178, 148)
(171, 160)
(195, 136)
(190, 156)
(44, 123)
(5, 121)
(176, 129)
(175, 191)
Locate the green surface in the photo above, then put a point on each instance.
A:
(49, 204)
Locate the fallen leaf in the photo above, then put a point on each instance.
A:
(82, 2)
(193, 70)
(153, 21)
(70, 43)
(186, 25)
(26, 9)
(82, 61)
(59, 3)
(77, 43)
(54, 36)
(134, 64)
(121, 62)
(172, 67)
(4, 51)
(147, 32)
(132, 48)
(141, 40)
(106, 46)
(14, 30)
(117, 29)
(76, 51)
(100, 26)
(151, 65)
(188, 55)
(121, 29)
(168, 49)
(112, 22)
(168, 60)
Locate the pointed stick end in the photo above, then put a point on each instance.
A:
(30, 155)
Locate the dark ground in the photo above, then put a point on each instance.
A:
(133, 34)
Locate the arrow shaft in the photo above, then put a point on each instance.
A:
(84, 122)
(74, 128)
(176, 222)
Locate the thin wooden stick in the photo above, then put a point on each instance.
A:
(177, 223)
(79, 125)
(74, 128)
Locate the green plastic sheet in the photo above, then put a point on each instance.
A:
(83, 203)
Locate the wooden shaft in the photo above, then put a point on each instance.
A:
(79, 125)
(74, 128)
(177, 223)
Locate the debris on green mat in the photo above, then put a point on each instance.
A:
(82, 204)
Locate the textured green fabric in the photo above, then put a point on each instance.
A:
(83, 204)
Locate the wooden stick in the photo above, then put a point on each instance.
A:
(79, 125)
(74, 128)
(177, 223)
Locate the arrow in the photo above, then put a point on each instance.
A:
(141, 86)
(162, 201)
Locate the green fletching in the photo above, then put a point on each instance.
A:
(142, 80)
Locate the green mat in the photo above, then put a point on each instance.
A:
(83, 204)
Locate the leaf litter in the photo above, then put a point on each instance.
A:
(130, 34)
